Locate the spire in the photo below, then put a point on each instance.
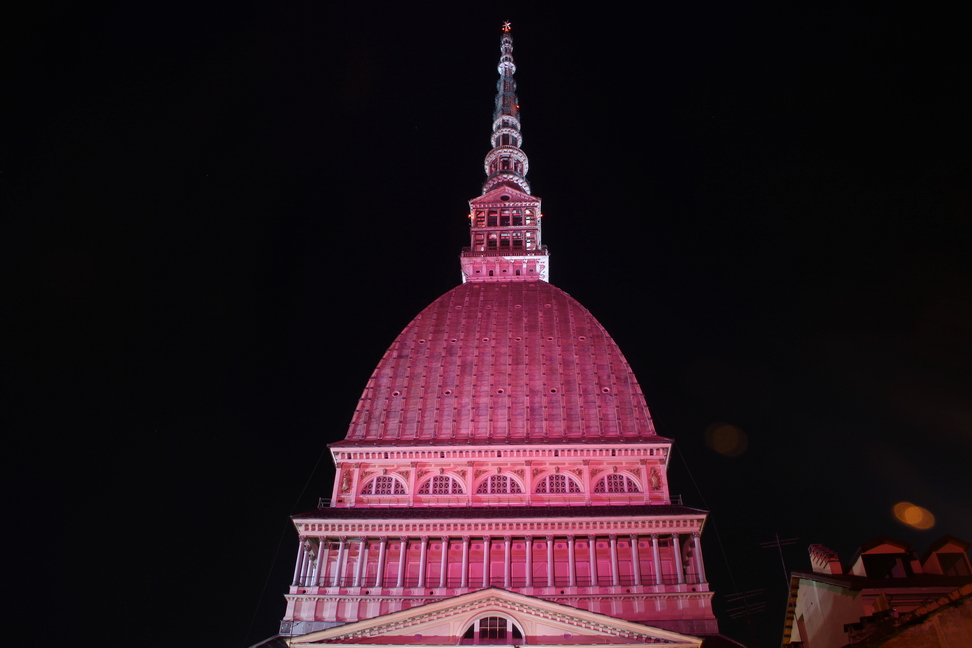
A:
(506, 163)
(504, 221)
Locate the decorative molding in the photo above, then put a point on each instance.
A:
(519, 528)
(491, 602)
(654, 479)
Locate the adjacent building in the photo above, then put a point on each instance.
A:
(885, 589)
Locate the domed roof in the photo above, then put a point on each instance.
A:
(502, 362)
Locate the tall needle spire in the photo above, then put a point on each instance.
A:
(505, 220)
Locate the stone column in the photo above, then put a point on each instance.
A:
(465, 562)
(677, 557)
(300, 562)
(321, 561)
(550, 561)
(656, 558)
(423, 548)
(529, 561)
(355, 474)
(614, 559)
(635, 559)
(571, 565)
(444, 563)
(592, 550)
(362, 559)
(507, 560)
(302, 579)
(528, 481)
(698, 556)
(342, 555)
(402, 559)
(643, 472)
(486, 547)
(382, 549)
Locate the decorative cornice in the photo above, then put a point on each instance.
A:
(519, 527)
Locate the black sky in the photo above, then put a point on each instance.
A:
(215, 220)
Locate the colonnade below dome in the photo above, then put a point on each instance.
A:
(338, 578)
(485, 561)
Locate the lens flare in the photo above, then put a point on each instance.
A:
(914, 516)
(726, 439)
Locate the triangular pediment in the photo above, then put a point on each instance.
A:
(494, 196)
(542, 622)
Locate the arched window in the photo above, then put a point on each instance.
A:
(441, 485)
(384, 485)
(492, 630)
(617, 483)
(498, 484)
(558, 484)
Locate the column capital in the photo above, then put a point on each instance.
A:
(550, 538)
(654, 536)
(633, 536)
(591, 539)
(613, 537)
(383, 538)
(425, 538)
(696, 534)
(466, 538)
(507, 538)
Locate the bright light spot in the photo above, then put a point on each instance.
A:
(726, 439)
(914, 516)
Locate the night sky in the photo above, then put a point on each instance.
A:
(215, 221)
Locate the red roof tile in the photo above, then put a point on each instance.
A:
(502, 362)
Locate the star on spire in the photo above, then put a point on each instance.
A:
(506, 26)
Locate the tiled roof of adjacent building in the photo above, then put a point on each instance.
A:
(502, 362)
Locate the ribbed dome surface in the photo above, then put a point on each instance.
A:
(502, 362)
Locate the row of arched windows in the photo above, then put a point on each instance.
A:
(556, 484)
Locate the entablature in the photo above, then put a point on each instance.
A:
(473, 527)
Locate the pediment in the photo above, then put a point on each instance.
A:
(542, 622)
(493, 196)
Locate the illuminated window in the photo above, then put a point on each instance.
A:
(385, 485)
(617, 484)
(558, 484)
(492, 630)
(498, 484)
(441, 485)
